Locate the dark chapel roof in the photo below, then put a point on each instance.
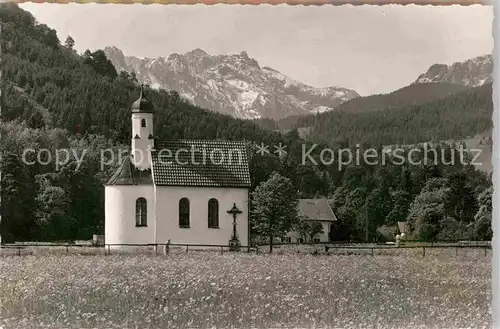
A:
(203, 163)
(127, 174)
(197, 163)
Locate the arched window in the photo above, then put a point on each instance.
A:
(143, 123)
(213, 213)
(184, 212)
(141, 212)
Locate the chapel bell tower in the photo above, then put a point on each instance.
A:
(142, 131)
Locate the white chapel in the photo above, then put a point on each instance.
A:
(186, 191)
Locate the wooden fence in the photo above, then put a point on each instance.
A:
(22, 249)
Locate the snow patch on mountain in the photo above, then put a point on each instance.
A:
(321, 109)
(247, 98)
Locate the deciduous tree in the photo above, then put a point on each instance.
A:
(274, 207)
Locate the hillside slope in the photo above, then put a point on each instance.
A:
(455, 117)
(415, 94)
(412, 95)
(85, 93)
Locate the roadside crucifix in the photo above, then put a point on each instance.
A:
(234, 243)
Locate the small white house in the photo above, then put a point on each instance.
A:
(313, 210)
(180, 190)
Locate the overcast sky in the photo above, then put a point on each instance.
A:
(371, 49)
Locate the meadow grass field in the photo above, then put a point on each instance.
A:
(245, 290)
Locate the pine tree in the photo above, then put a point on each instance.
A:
(69, 43)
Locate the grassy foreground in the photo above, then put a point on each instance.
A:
(206, 290)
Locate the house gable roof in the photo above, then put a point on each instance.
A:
(201, 163)
(316, 209)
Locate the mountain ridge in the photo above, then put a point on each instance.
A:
(438, 82)
(412, 95)
(232, 84)
(473, 72)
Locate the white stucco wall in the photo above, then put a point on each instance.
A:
(120, 215)
(323, 237)
(119, 223)
(137, 129)
(199, 233)
(142, 146)
(326, 229)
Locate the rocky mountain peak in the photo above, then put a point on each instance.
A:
(197, 53)
(473, 72)
(173, 57)
(244, 54)
(116, 54)
(233, 84)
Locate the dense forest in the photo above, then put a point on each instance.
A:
(457, 116)
(54, 98)
(414, 94)
(384, 120)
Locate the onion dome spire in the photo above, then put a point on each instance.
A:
(142, 104)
